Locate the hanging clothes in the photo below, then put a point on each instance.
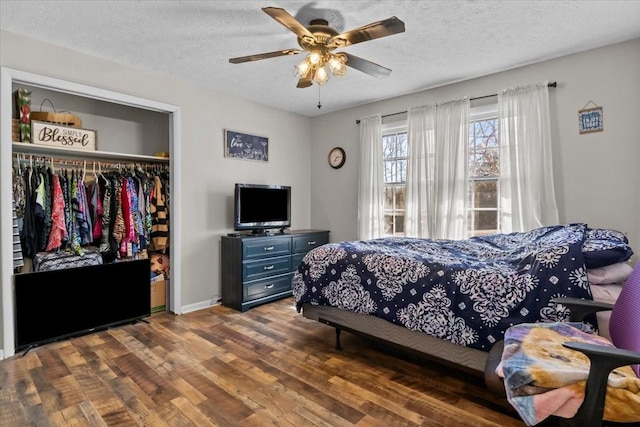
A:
(18, 260)
(29, 231)
(66, 195)
(159, 217)
(44, 193)
(127, 231)
(83, 217)
(75, 240)
(138, 206)
(58, 233)
(62, 211)
(95, 208)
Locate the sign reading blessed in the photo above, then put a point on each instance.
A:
(58, 136)
(590, 120)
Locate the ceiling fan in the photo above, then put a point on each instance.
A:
(319, 41)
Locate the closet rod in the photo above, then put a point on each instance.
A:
(551, 84)
(30, 158)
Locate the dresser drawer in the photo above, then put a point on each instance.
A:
(266, 247)
(295, 261)
(303, 244)
(253, 270)
(266, 287)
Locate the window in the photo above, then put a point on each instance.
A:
(483, 214)
(394, 147)
(484, 170)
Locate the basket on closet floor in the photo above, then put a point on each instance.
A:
(64, 118)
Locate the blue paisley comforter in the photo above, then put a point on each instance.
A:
(465, 291)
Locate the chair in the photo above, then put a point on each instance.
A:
(624, 328)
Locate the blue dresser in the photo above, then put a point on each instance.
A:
(258, 269)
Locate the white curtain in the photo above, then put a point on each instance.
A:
(526, 188)
(419, 193)
(371, 182)
(437, 171)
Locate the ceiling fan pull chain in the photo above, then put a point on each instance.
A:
(319, 104)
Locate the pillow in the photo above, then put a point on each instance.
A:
(606, 234)
(608, 294)
(614, 273)
(604, 247)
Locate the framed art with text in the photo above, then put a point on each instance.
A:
(241, 145)
(590, 119)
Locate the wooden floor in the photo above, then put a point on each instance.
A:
(265, 367)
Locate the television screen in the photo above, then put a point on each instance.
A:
(56, 304)
(259, 207)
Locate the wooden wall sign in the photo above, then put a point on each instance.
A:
(59, 136)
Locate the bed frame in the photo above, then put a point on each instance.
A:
(467, 359)
(463, 358)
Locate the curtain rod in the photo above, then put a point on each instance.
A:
(551, 84)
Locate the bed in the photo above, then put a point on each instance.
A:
(452, 299)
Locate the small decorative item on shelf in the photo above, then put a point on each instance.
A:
(15, 130)
(64, 118)
(23, 103)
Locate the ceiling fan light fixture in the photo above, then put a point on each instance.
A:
(303, 68)
(337, 64)
(321, 76)
(319, 40)
(314, 58)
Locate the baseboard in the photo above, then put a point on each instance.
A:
(200, 305)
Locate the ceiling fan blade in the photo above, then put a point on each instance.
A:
(266, 55)
(286, 19)
(375, 30)
(367, 67)
(304, 82)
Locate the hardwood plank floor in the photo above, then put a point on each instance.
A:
(268, 366)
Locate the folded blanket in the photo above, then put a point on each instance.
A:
(543, 378)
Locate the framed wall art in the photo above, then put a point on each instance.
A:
(242, 145)
(590, 119)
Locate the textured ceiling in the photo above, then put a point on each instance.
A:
(444, 42)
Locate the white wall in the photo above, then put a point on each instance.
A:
(207, 179)
(597, 175)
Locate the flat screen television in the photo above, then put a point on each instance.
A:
(261, 207)
(59, 304)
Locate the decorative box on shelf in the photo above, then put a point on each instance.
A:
(15, 130)
(60, 136)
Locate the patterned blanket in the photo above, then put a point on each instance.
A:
(543, 378)
(465, 291)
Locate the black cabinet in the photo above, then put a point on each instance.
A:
(258, 269)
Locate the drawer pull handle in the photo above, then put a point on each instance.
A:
(313, 242)
(268, 267)
(268, 286)
(269, 248)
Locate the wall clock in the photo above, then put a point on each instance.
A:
(337, 157)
